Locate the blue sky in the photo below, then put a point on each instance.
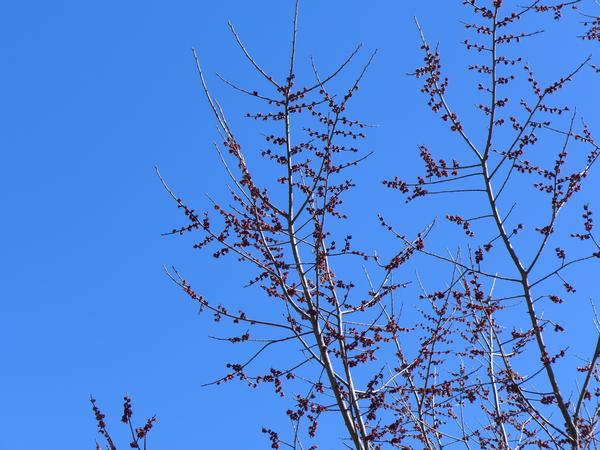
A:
(96, 93)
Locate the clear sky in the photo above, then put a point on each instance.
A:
(93, 94)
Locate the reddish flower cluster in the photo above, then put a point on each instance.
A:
(139, 435)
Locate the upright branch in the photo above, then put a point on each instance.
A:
(286, 231)
(522, 406)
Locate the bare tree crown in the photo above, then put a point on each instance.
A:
(483, 366)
